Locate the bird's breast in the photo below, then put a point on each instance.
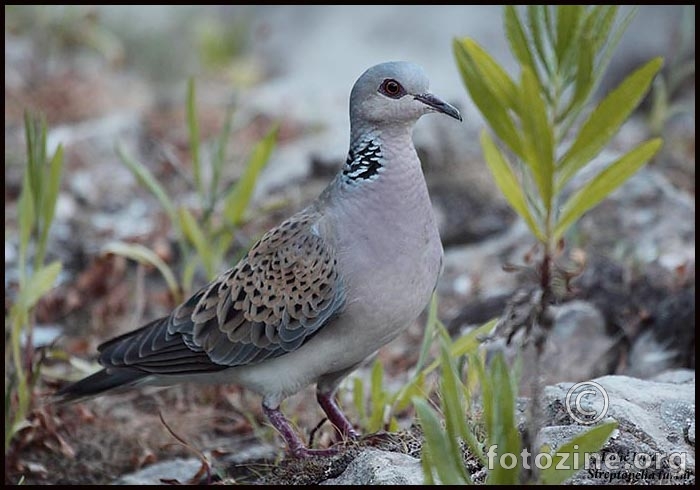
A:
(390, 266)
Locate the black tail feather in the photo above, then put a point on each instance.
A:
(98, 383)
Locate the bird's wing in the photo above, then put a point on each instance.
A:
(282, 292)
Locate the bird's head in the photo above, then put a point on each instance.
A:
(395, 92)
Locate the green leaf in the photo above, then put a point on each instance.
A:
(604, 183)
(377, 397)
(495, 77)
(196, 236)
(602, 19)
(239, 196)
(590, 442)
(415, 387)
(583, 84)
(502, 430)
(139, 253)
(193, 130)
(507, 182)
(492, 108)
(51, 184)
(26, 217)
(519, 44)
(453, 407)
(606, 119)
(535, 20)
(358, 399)
(218, 161)
(38, 285)
(568, 18)
(595, 37)
(603, 30)
(429, 333)
(146, 178)
(436, 447)
(188, 273)
(469, 343)
(539, 140)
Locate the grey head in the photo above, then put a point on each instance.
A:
(395, 92)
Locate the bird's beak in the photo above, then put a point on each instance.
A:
(439, 105)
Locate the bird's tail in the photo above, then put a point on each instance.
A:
(98, 383)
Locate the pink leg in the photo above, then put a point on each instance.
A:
(294, 444)
(336, 415)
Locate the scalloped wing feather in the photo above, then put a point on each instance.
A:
(281, 293)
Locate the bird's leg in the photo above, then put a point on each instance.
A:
(335, 414)
(294, 443)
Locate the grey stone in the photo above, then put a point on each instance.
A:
(179, 469)
(677, 376)
(653, 416)
(374, 467)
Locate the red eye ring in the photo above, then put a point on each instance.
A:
(392, 88)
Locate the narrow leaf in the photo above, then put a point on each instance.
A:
(568, 18)
(218, 161)
(139, 253)
(583, 80)
(519, 44)
(27, 217)
(358, 399)
(239, 196)
(507, 182)
(377, 397)
(492, 108)
(493, 74)
(604, 183)
(606, 119)
(54, 184)
(603, 25)
(535, 20)
(429, 333)
(195, 235)
(193, 130)
(415, 387)
(576, 450)
(469, 343)
(539, 140)
(436, 446)
(503, 431)
(38, 285)
(146, 178)
(453, 407)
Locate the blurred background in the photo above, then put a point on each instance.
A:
(116, 76)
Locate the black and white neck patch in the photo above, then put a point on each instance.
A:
(365, 161)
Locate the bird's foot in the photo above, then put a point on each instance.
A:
(302, 452)
(295, 445)
(336, 416)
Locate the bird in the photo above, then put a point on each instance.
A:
(321, 292)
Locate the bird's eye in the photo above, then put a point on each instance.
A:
(392, 88)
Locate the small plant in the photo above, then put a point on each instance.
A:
(548, 134)
(378, 409)
(207, 235)
(493, 440)
(545, 123)
(35, 213)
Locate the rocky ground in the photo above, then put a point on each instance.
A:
(108, 75)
